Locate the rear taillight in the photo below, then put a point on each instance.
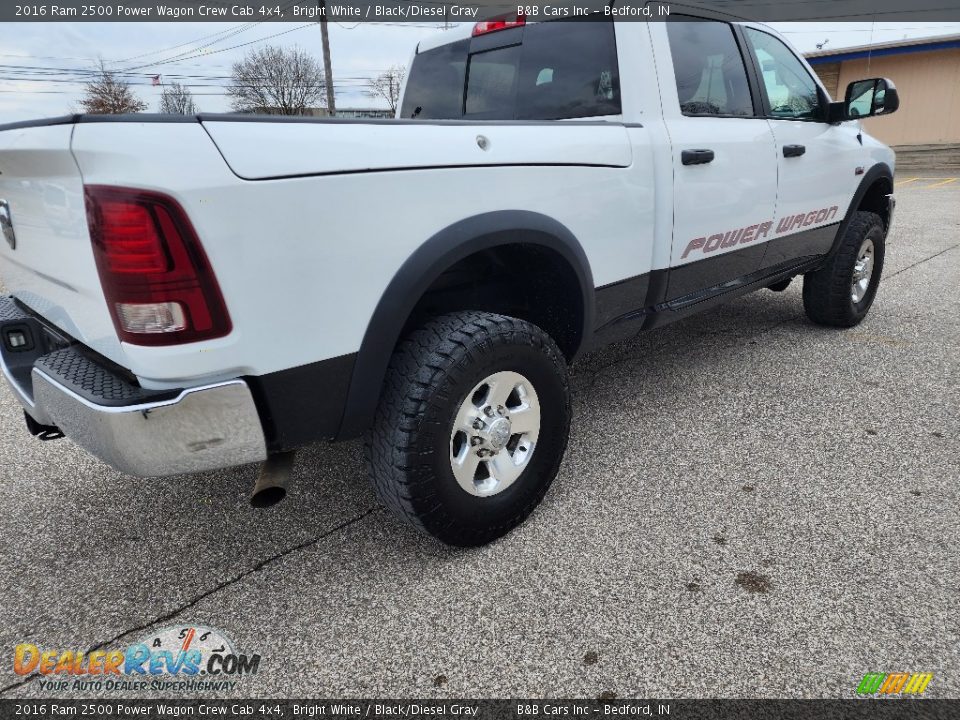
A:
(157, 280)
(501, 22)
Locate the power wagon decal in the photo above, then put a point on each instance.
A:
(751, 233)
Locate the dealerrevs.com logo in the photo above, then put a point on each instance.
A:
(174, 658)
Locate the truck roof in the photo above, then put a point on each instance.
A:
(461, 32)
(465, 30)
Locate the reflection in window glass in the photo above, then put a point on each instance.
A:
(791, 91)
(861, 99)
(544, 71)
(711, 78)
(491, 82)
(568, 70)
(435, 86)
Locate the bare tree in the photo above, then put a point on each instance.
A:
(387, 86)
(278, 81)
(108, 95)
(177, 100)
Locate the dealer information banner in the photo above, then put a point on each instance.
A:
(436, 11)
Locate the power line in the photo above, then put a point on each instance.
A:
(67, 92)
(186, 54)
(337, 84)
(83, 78)
(245, 27)
(226, 34)
(252, 42)
(178, 60)
(229, 34)
(7, 67)
(224, 93)
(215, 52)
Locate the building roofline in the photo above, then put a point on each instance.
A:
(896, 47)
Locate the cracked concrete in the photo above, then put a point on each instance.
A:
(827, 461)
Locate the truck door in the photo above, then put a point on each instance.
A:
(724, 161)
(817, 161)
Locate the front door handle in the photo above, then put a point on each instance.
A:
(794, 150)
(696, 157)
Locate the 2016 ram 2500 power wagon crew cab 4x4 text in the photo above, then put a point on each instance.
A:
(198, 292)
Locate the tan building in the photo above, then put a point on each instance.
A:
(927, 75)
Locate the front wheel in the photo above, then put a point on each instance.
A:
(841, 292)
(471, 427)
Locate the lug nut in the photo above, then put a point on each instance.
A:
(476, 440)
(488, 411)
(501, 409)
(478, 424)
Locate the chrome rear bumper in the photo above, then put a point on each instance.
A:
(203, 428)
(136, 431)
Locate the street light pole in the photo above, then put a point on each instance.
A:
(327, 69)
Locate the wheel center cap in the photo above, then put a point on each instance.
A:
(499, 433)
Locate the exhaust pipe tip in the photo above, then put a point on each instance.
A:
(271, 485)
(268, 496)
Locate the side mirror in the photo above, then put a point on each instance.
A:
(866, 98)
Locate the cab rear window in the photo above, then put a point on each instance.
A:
(544, 71)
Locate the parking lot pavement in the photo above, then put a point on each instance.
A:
(925, 182)
(750, 506)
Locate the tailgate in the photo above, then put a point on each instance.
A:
(46, 259)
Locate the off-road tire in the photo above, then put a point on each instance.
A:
(408, 447)
(827, 291)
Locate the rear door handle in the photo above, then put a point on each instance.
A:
(696, 157)
(794, 150)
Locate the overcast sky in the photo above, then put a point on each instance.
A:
(41, 64)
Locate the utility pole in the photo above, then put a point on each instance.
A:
(327, 70)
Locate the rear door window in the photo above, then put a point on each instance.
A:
(710, 73)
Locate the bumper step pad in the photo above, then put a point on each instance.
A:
(95, 383)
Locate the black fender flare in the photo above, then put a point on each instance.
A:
(423, 267)
(878, 171)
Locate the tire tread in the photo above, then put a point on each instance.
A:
(826, 291)
(418, 366)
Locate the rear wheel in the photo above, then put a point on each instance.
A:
(841, 292)
(471, 427)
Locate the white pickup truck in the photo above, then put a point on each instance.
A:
(197, 292)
